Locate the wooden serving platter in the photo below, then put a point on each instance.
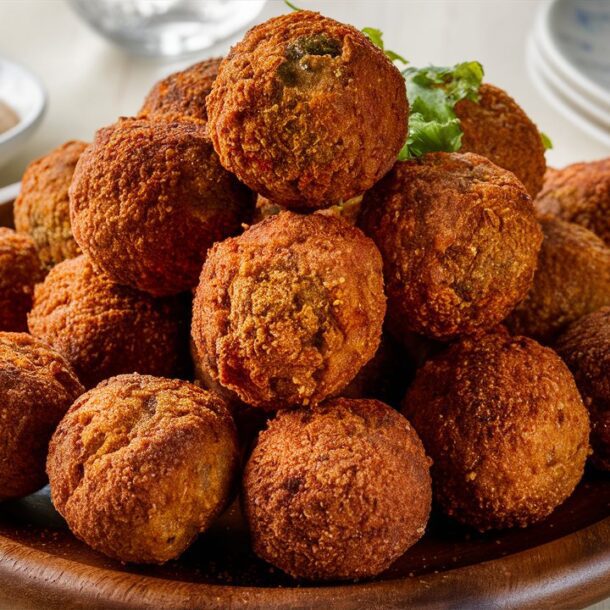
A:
(563, 562)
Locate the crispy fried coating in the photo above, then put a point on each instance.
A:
(337, 492)
(182, 94)
(496, 127)
(505, 426)
(347, 210)
(307, 111)
(572, 279)
(149, 198)
(20, 269)
(42, 209)
(579, 193)
(585, 347)
(140, 465)
(288, 312)
(459, 241)
(104, 329)
(37, 386)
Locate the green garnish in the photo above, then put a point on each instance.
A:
(546, 141)
(376, 37)
(292, 6)
(433, 93)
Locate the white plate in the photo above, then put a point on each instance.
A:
(596, 112)
(557, 98)
(24, 93)
(576, 47)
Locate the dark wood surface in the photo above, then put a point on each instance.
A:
(563, 562)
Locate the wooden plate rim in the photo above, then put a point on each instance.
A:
(569, 572)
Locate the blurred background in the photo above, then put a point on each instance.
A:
(552, 57)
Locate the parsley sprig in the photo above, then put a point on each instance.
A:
(433, 93)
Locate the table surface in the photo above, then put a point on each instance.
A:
(90, 82)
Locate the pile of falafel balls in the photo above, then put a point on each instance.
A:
(397, 331)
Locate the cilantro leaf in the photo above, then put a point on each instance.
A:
(546, 141)
(376, 37)
(433, 93)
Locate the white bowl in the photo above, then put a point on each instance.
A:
(24, 93)
(574, 38)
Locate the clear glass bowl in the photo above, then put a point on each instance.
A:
(167, 28)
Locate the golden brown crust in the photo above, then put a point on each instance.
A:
(497, 128)
(140, 465)
(182, 94)
(505, 426)
(37, 386)
(572, 279)
(104, 329)
(19, 271)
(459, 240)
(42, 209)
(585, 347)
(307, 111)
(579, 193)
(149, 198)
(338, 492)
(289, 311)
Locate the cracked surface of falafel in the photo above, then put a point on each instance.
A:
(140, 465)
(289, 311)
(307, 111)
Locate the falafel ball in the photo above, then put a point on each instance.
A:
(149, 198)
(104, 329)
(307, 111)
(20, 269)
(496, 127)
(182, 94)
(42, 209)
(572, 280)
(140, 465)
(337, 492)
(459, 241)
(585, 348)
(505, 426)
(288, 312)
(579, 193)
(37, 386)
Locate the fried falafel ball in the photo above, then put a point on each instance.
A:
(579, 193)
(149, 198)
(42, 209)
(496, 127)
(505, 426)
(337, 492)
(288, 312)
(585, 348)
(182, 94)
(140, 465)
(37, 386)
(20, 269)
(459, 241)
(104, 329)
(307, 111)
(572, 280)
